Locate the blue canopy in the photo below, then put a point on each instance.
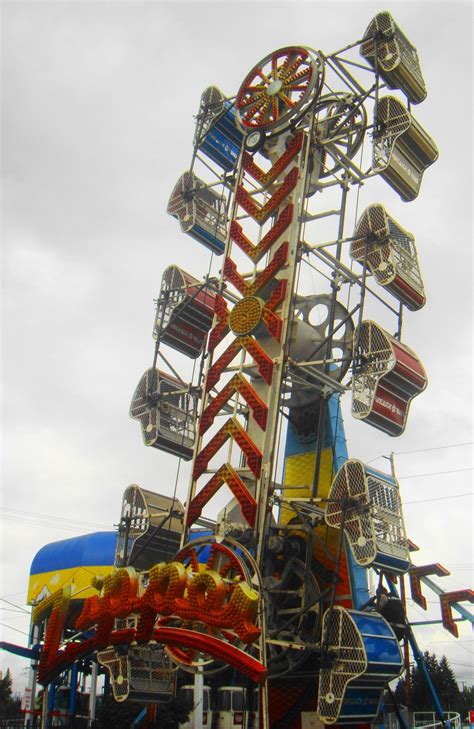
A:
(88, 550)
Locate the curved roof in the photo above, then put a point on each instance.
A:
(88, 550)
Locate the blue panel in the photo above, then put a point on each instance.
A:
(335, 438)
(221, 150)
(227, 125)
(210, 241)
(380, 474)
(381, 646)
(205, 553)
(371, 624)
(357, 574)
(88, 550)
(338, 435)
(383, 651)
(360, 702)
(223, 140)
(391, 563)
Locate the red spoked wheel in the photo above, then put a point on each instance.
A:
(279, 88)
(223, 560)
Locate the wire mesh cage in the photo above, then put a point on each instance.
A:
(167, 413)
(390, 52)
(391, 256)
(150, 528)
(143, 673)
(366, 657)
(402, 149)
(388, 376)
(152, 677)
(366, 503)
(118, 667)
(217, 134)
(200, 210)
(184, 312)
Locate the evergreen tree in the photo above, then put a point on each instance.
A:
(114, 715)
(447, 687)
(5, 689)
(466, 702)
(9, 706)
(172, 714)
(118, 715)
(444, 682)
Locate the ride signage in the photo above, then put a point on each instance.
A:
(172, 594)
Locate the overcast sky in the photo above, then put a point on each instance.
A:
(98, 105)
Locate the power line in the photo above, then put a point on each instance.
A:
(435, 448)
(11, 610)
(14, 605)
(422, 450)
(457, 640)
(14, 594)
(436, 473)
(50, 525)
(429, 602)
(55, 524)
(10, 627)
(62, 520)
(439, 498)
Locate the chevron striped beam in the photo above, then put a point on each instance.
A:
(255, 251)
(238, 384)
(266, 178)
(231, 429)
(225, 474)
(261, 213)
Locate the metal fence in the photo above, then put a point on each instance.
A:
(428, 719)
(12, 723)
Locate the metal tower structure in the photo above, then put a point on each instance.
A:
(307, 306)
(273, 170)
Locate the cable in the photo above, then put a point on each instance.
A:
(438, 498)
(436, 448)
(429, 602)
(51, 516)
(436, 473)
(457, 640)
(14, 605)
(11, 610)
(10, 627)
(423, 450)
(49, 525)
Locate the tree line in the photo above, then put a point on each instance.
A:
(418, 698)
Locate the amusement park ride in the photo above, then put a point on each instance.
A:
(275, 592)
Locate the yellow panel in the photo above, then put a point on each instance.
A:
(299, 471)
(78, 578)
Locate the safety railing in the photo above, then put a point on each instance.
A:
(429, 719)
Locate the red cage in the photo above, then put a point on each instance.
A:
(184, 312)
(390, 375)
